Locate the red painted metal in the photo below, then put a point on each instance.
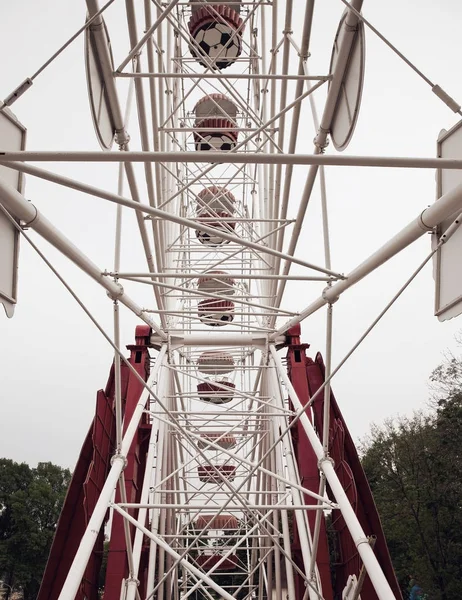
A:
(216, 522)
(354, 481)
(207, 561)
(307, 464)
(225, 441)
(209, 392)
(307, 376)
(87, 480)
(117, 564)
(218, 13)
(209, 474)
(89, 476)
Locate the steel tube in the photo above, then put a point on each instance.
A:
(142, 513)
(122, 136)
(252, 465)
(215, 339)
(117, 380)
(239, 508)
(168, 9)
(164, 546)
(303, 55)
(360, 540)
(168, 216)
(155, 515)
(77, 569)
(349, 27)
(74, 577)
(250, 76)
(337, 160)
(124, 275)
(300, 517)
(18, 206)
(447, 205)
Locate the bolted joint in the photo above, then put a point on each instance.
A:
(122, 138)
(327, 297)
(18, 92)
(116, 295)
(421, 221)
(131, 581)
(321, 146)
(119, 457)
(323, 460)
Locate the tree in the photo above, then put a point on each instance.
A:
(30, 504)
(414, 469)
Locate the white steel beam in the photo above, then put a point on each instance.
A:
(217, 276)
(447, 205)
(360, 539)
(337, 160)
(135, 50)
(164, 546)
(164, 214)
(228, 507)
(19, 207)
(122, 136)
(77, 569)
(215, 339)
(145, 491)
(218, 76)
(335, 89)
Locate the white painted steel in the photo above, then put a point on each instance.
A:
(13, 136)
(448, 291)
(174, 218)
(240, 158)
(162, 388)
(325, 464)
(447, 205)
(20, 208)
(169, 550)
(79, 563)
(256, 478)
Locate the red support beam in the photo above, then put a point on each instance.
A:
(117, 564)
(88, 479)
(307, 463)
(351, 473)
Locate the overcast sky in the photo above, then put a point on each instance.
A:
(53, 361)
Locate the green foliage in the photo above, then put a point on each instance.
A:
(414, 467)
(30, 503)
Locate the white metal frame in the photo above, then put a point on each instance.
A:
(265, 493)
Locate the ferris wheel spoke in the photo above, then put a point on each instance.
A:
(223, 482)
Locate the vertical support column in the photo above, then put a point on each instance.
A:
(117, 566)
(79, 563)
(378, 579)
(307, 463)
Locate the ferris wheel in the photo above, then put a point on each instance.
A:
(218, 463)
